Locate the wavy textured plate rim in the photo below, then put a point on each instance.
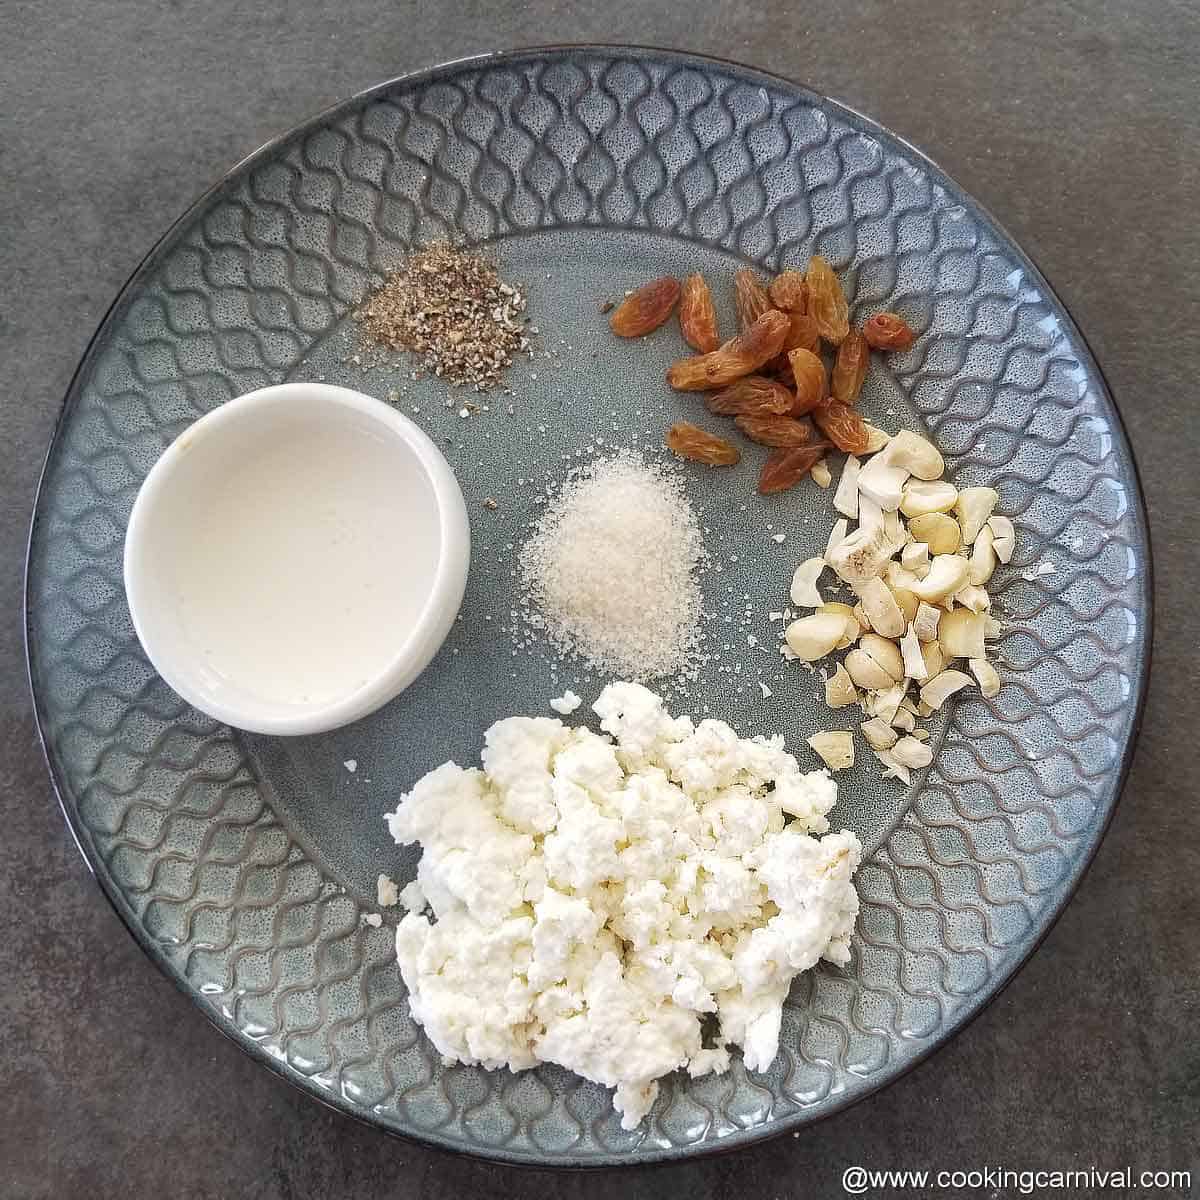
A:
(1066, 888)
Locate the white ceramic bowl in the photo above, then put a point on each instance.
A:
(295, 558)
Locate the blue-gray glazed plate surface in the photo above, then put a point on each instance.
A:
(244, 865)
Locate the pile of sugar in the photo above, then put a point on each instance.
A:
(611, 571)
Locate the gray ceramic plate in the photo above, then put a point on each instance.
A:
(244, 865)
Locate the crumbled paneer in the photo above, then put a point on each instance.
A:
(593, 899)
(567, 703)
(386, 891)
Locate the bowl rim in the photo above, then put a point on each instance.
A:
(413, 653)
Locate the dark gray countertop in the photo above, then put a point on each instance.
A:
(1075, 122)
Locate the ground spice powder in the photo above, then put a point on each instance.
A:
(450, 308)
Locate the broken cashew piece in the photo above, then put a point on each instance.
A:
(938, 531)
(914, 659)
(804, 583)
(927, 496)
(811, 638)
(983, 557)
(837, 535)
(914, 558)
(845, 496)
(960, 634)
(941, 687)
(876, 438)
(836, 748)
(926, 622)
(912, 753)
(883, 482)
(917, 455)
(1004, 538)
(986, 676)
(847, 614)
(840, 691)
(881, 608)
(879, 734)
(862, 556)
(947, 573)
(974, 506)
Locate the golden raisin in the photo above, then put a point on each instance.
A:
(888, 331)
(698, 315)
(751, 394)
(769, 430)
(789, 292)
(690, 441)
(808, 372)
(646, 309)
(785, 468)
(842, 426)
(749, 298)
(737, 357)
(850, 368)
(826, 301)
(802, 333)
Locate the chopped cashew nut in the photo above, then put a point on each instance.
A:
(862, 556)
(941, 687)
(986, 676)
(886, 704)
(894, 528)
(914, 558)
(917, 455)
(837, 535)
(983, 557)
(839, 689)
(847, 615)
(866, 672)
(879, 734)
(870, 515)
(927, 496)
(898, 576)
(881, 608)
(814, 637)
(876, 438)
(938, 531)
(974, 506)
(905, 601)
(820, 474)
(1004, 537)
(883, 482)
(845, 496)
(973, 597)
(926, 622)
(960, 634)
(918, 561)
(914, 659)
(947, 573)
(836, 748)
(912, 753)
(885, 653)
(935, 660)
(804, 583)
(892, 767)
